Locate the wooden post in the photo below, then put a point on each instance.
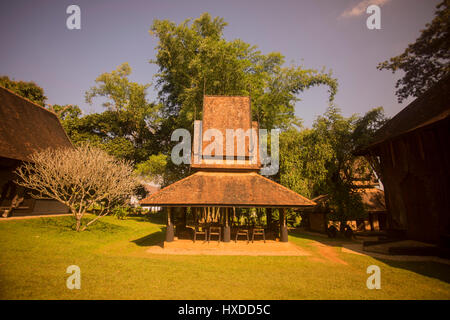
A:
(269, 218)
(226, 228)
(283, 226)
(169, 228)
(185, 216)
(195, 215)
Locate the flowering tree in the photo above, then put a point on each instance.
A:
(79, 178)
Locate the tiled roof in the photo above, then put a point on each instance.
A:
(238, 189)
(432, 106)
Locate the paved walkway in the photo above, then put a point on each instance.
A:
(375, 251)
(357, 248)
(32, 217)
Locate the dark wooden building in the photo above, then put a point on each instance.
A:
(25, 128)
(317, 217)
(412, 155)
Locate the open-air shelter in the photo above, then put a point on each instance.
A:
(220, 188)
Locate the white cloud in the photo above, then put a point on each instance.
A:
(361, 7)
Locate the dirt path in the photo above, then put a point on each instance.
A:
(258, 248)
(327, 253)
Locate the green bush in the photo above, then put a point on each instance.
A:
(121, 212)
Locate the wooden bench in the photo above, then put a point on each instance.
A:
(202, 230)
(242, 232)
(258, 232)
(215, 231)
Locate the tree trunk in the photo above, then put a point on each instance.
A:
(78, 223)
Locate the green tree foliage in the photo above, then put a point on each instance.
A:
(303, 158)
(194, 59)
(425, 61)
(364, 132)
(127, 127)
(29, 90)
(66, 112)
(321, 160)
(338, 131)
(154, 168)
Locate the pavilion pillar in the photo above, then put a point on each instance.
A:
(194, 210)
(269, 218)
(169, 228)
(184, 217)
(226, 228)
(283, 226)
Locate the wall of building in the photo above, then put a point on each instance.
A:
(29, 206)
(317, 222)
(416, 179)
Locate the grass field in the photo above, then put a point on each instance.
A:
(35, 253)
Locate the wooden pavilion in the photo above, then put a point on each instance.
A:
(221, 188)
(367, 185)
(373, 201)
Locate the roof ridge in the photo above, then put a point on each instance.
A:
(28, 100)
(42, 108)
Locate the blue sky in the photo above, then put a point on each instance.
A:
(37, 45)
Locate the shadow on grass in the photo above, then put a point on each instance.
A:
(432, 269)
(153, 239)
(155, 218)
(66, 224)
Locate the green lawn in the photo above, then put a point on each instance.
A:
(35, 253)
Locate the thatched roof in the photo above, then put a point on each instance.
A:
(432, 106)
(27, 127)
(239, 189)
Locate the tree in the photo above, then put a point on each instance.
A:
(364, 132)
(154, 168)
(65, 112)
(337, 131)
(303, 158)
(195, 59)
(29, 90)
(78, 178)
(126, 129)
(427, 59)
(321, 160)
